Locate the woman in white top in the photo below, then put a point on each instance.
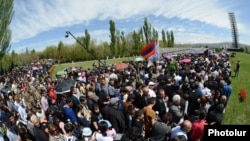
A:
(102, 135)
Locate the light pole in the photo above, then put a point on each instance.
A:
(91, 53)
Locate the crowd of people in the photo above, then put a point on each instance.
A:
(169, 100)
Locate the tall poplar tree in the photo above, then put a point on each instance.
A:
(172, 38)
(112, 37)
(86, 41)
(168, 39)
(6, 14)
(164, 38)
(123, 42)
(147, 30)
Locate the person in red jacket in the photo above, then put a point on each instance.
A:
(198, 127)
(52, 93)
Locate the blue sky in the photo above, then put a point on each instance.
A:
(40, 23)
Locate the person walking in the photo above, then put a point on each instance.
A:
(237, 69)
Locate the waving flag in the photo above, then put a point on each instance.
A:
(157, 52)
(149, 50)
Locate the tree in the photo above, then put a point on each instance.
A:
(6, 14)
(13, 54)
(112, 37)
(86, 39)
(168, 39)
(123, 42)
(86, 42)
(141, 34)
(33, 55)
(137, 42)
(118, 43)
(50, 51)
(172, 38)
(164, 38)
(155, 34)
(60, 51)
(147, 30)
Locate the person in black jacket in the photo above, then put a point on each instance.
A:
(115, 116)
(160, 105)
(103, 98)
(38, 130)
(215, 117)
(74, 98)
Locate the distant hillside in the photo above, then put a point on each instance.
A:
(213, 45)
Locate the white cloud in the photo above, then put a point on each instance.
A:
(34, 17)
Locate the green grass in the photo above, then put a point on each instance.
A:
(88, 64)
(238, 112)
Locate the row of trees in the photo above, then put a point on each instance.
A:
(120, 44)
(133, 42)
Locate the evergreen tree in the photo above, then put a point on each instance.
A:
(118, 43)
(147, 30)
(123, 43)
(86, 39)
(168, 39)
(112, 37)
(164, 38)
(155, 34)
(172, 38)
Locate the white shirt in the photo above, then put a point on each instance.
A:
(22, 111)
(205, 91)
(100, 137)
(44, 103)
(177, 78)
(152, 93)
(41, 115)
(71, 138)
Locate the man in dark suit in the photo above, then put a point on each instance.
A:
(145, 96)
(160, 105)
(103, 98)
(92, 99)
(116, 117)
(74, 98)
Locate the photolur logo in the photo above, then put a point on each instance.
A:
(232, 133)
(221, 132)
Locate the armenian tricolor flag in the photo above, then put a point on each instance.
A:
(149, 50)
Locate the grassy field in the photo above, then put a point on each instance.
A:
(238, 112)
(88, 64)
